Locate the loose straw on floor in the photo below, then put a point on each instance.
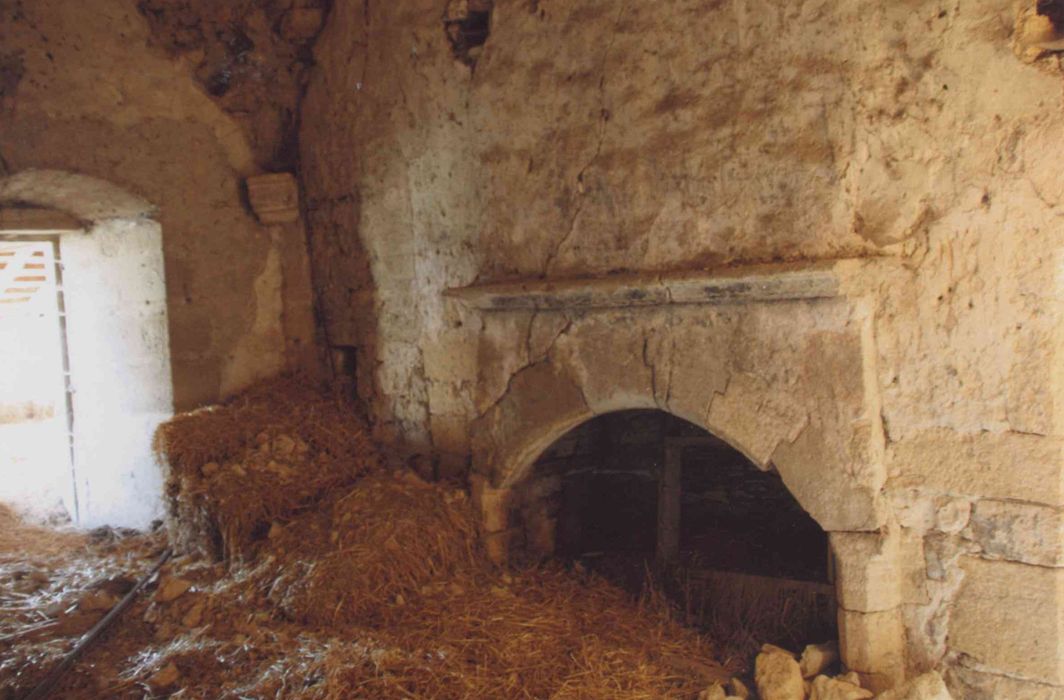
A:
(45, 688)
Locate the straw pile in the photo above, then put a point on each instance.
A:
(352, 579)
(356, 556)
(259, 458)
(390, 573)
(400, 563)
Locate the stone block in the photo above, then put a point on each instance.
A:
(502, 352)
(824, 688)
(497, 546)
(694, 356)
(448, 397)
(953, 515)
(274, 197)
(451, 356)
(926, 686)
(873, 645)
(1021, 532)
(777, 675)
(450, 433)
(824, 486)
(1009, 618)
(1006, 466)
(816, 658)
(867, 571)
(541, 406)
(778, 417)
(606, 357)
(495, 508)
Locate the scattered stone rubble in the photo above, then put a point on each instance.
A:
(780, 675)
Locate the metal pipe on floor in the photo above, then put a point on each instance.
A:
(46, 686)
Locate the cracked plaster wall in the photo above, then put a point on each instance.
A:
(599, 136)
(87, 91)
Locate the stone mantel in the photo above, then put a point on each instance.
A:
(731, 285)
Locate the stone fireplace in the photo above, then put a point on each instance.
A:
(776, 360)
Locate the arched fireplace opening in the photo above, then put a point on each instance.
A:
(642, 496)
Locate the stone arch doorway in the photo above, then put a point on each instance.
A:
(108, 269)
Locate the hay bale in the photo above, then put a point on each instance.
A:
(258, 458)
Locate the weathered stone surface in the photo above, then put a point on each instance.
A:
(966, 682)
(274, 197)
(926, 686)
(497, 546)
(726, 286)
(1009, 618)
(816, 658)
(873, 645)
(495, 508)
(777, 675)
(991, 465)
(1021, 532)
(825, 688)
(698, 355)
(541, 404)
(607, 360)
(953, 515)
(850, 677)
(502, 351)
(866, 565)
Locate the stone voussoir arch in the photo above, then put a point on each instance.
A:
(544, 402)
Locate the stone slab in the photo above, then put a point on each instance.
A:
(1008, 617)
(725, 286)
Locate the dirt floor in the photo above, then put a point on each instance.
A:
(307, 565)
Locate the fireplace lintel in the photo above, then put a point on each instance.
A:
(732, 285)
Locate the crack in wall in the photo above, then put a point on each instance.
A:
(531, 362)
(653, 370)
(604, 115)
(969, 662)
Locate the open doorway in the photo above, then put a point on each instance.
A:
(642, 496)
(35, 417)
(85, 358)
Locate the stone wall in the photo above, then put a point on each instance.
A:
(86, 88)
(593, 137)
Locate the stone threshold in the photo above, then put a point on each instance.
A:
(731, 285)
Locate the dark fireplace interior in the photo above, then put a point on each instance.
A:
(642, 496)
